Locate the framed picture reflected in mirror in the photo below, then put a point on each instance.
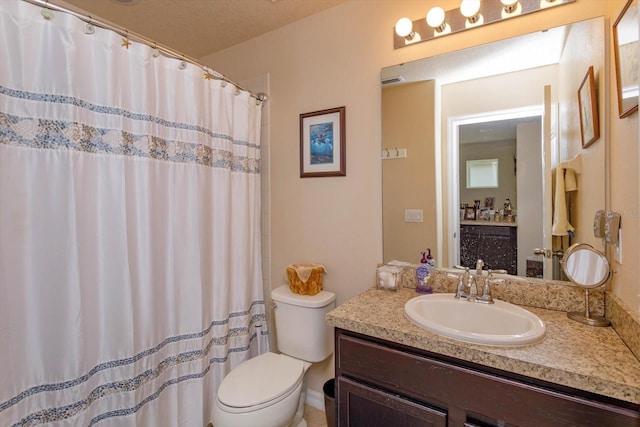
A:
(625, 50)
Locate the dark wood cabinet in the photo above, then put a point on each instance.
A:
(380, 383)
(496, 245)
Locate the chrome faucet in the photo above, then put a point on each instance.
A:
(467, 286)
(479, 266)
(486, 289)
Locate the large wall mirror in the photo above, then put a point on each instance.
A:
(515, 101)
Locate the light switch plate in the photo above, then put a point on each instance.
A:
(617, 248)
(413, 215)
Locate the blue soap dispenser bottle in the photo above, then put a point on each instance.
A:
(422, 274)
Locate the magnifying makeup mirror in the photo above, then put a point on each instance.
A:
(588, 268)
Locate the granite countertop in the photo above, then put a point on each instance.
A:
(571, 354)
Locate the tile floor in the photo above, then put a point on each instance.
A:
(315, 417)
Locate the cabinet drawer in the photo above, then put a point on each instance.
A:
(367, 406)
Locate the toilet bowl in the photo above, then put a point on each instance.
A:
(270, 390)
(263, 391)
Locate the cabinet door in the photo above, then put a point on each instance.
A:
(498, 248)
(468, 245)
(360, 405)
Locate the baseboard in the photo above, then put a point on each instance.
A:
(315, 399)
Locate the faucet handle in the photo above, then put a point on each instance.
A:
(462, 282)
(472, 285)
(486, 290)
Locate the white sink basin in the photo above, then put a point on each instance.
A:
(499, 324)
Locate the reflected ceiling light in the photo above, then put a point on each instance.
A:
(436, 20)
(511, 8)
(470, 14)
(470, 9)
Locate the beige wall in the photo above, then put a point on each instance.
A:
(505, 152)
(407, 122)
(578, 55)
(334, 58)
(624, 188)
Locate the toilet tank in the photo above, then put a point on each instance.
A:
(301, 330)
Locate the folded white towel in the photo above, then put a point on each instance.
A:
(561, 225)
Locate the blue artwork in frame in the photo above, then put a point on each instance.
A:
(321, 149)
(322, 143)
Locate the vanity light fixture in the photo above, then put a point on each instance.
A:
(470, 14)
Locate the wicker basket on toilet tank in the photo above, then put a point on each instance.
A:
(305, 279)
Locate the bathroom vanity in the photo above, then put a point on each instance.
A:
(390, 372)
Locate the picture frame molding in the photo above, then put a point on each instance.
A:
(339, 166)
(588, 110)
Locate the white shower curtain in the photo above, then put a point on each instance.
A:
(130, 263)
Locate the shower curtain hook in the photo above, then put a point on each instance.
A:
(125, 40)
(47, 13)
(89, 28)
(155, 52)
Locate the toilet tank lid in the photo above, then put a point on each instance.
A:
(284, 294)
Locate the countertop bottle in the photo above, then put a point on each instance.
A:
(423, 272)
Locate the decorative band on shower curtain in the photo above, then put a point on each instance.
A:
(130, 262)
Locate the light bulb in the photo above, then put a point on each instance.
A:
(404, 27)
(435, 18)
(469, 8)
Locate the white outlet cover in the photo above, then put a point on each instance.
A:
(617, 249)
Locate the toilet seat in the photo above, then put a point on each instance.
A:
(259, 382)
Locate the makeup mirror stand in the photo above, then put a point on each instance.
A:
(586, 317)
(587, 268)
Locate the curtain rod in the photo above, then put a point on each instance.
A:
(141, 39)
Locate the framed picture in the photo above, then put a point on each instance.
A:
(625, 51)
(490, 202)
(470, 213)
(589, 125)
(323, 143)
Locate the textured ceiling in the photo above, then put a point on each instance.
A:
(200, 27)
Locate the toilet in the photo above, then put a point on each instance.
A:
(270, 390)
